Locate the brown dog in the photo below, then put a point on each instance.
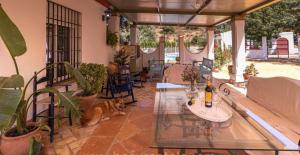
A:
(101, 111)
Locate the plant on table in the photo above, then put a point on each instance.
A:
(192, 75)
(14, 102)
(250, 71)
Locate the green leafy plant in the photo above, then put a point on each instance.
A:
(112, 39)
(14, 104)
(147, 36)
(121, 57)
(95, 74)
(222, 57)
(191, 74)
(251, 70)
(35, 146)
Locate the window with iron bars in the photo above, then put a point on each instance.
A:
(63, 40)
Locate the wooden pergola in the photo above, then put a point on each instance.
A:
(205, 13)
(202, 13)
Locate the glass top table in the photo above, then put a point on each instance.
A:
(176, 127)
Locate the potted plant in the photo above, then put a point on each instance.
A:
(121, 57)
(14, 98)
(177, 59)
(230, 69)
(89, 78)
(111, 39)
(250, 71)
(216, 67)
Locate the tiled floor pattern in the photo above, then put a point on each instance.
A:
(129, 134)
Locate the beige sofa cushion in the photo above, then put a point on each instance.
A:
(280, 95)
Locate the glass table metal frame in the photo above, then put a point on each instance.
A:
(177, 128)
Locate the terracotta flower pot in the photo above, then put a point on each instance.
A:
(216, 70)
(85, 103)
(20, 144)
(246, 76)
(230, 69)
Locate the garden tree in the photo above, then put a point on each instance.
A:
(199, 40)
(296, 12)
(223, 27)
(272, 20)
(147, 36)
(167, 30)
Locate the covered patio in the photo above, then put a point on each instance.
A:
(137, 102)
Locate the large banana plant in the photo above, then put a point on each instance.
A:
(14, 105)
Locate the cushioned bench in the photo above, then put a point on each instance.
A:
(279, 94)
(277, 101)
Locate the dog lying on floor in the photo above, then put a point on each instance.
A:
(101, 111)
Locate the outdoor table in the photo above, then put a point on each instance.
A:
(177, 128)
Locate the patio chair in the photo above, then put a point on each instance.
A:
(121, 83)
(51, 101)
(197, 63)
(206, 69)
(156, 69)
(134, 76)
(118, 83)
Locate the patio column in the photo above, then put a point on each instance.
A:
(298, 39)
(264, 47)
(161, 47)
(238, 48)
(133, 34)
(210, 43)
(114, 26)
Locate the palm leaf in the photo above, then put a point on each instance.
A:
(65, 100)
(11, 35)
(9, 101)
(81, 81)
(14, 81)
(35, 147)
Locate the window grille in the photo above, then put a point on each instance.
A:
(63, 40)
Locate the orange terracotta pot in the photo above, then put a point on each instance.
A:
(230, 69)
(18, 145)
(85, 103)
(216, 70)
(246, 76)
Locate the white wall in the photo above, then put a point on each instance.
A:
(30, 17)
(186, 57)
(226, 39)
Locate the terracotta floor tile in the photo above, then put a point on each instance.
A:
(117, 149)
(138, 143)
(144, 122)
(128, 130)
(140, 112)
(96, 145)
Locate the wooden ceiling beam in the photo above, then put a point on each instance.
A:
(105, 3)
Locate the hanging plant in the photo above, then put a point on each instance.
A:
(112, 39)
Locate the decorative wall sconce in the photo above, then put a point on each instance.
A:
(107, 15)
